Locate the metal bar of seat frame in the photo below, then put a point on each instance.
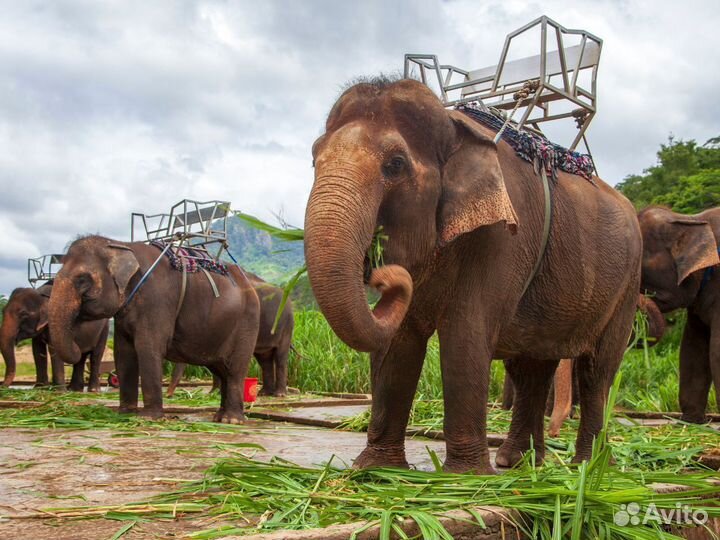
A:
(547, 92)
(41, 268)
(182, 218)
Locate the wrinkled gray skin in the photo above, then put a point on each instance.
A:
(97, 276)
(25, 317)
(464, 219)
(271, 349)
(677, 250)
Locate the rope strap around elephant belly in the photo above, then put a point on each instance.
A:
(546, 230)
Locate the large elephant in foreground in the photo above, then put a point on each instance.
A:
(164, 319)
(680, 256)
(464, 221)
(25, 317)
(271, 348)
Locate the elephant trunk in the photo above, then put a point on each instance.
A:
(63, 310)
(8, 336)
(656, 320)
(339, 227)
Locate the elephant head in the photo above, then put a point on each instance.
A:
(676, 248)
(25, 316)
(91, 285)
(393, 157)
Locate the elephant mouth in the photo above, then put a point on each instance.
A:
(367, 270)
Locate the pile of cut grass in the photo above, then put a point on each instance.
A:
(555, 501)
(66, 411)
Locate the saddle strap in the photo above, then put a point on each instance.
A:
(183, 287)
(212, 282)
(546, 228)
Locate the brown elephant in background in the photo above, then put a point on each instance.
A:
(271, 349)
(464, 222)
(25, 317)
(680, 256)
(98, 275)
(564, 390)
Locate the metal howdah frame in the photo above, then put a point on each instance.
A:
(43, 268)
(556, 72)
(200, 225)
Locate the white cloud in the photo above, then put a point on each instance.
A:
(113, 107)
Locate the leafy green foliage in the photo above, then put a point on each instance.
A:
(686, 178)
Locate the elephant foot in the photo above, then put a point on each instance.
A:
(224, 416)
(693, 418)
(461, 467)
(151, 414)
(126, 409)
(76, 387)
(280, 393)
(94, 389)
(374, 456)
(510, 454)
(41, 384)
(266, 392)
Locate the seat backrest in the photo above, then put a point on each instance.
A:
(525, 69)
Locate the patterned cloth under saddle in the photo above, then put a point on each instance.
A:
(193, 259)
(537, 150)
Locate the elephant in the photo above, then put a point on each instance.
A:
(564, 391)
(208, 320)
(463, 221)
(25, 317)
(272, 348)
(680, 254)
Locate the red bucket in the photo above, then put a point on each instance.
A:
(250, 391)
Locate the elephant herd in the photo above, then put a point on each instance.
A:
(188, 317)
(466, 256)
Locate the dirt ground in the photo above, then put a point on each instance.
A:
(48, 468)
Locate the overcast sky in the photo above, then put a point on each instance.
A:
(112, 107)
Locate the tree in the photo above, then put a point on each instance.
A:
(686, 178)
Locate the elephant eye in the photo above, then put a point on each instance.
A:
(83, 282)
(394, 166)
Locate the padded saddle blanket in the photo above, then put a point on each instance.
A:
(193, 260)
(533, 148)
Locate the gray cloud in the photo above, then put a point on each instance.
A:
(113, 107)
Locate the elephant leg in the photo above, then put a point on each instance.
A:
(268, 373)
(96, 357)
(695, 373)
(280, 355)
(126, 363)
(531, 379)
(715, 360)
(508, 393)
(233, 381)
(219, 379)
(177, 373)
(217, 384)
(77, 381)
(40, 356)
(394, 376)
(151, 375)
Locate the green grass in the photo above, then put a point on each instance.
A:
(557, 500)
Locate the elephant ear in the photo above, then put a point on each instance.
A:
(694, 247)
(473, 188)
(122, 265)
